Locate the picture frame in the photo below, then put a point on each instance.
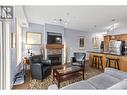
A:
(13, 40)
(81, 42)
(95, 42)
(33, 38)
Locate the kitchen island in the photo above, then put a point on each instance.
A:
(122, 59)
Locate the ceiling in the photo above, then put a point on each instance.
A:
(82, 18)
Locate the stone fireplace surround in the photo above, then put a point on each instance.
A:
(55, 55)
(54, 51)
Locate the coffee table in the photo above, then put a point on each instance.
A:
(65, 73)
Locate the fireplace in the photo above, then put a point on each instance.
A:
(55, 55)
(54, 48)
(56, 59)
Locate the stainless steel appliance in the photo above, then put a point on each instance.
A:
(116, 47)
(125, 45)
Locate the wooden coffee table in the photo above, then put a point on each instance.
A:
(67, 72)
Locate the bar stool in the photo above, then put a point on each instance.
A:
(97, 61)
(114, 60)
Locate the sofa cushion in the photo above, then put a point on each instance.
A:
(79, 85)
(119, 86)
(116, 73)
(103, 81)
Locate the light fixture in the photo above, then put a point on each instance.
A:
(113, 26)
(60, 21)
(95, 26)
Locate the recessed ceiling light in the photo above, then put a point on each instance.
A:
(68, 13)
(113, 19)
(60, 20)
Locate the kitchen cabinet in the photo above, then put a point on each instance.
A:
(106, 42)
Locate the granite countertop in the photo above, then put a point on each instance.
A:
(104, 52)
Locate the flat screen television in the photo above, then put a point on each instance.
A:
(54, 38)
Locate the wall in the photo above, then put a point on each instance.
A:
(89, 40)
(71, 38)
(13, 55)
(16, 25)
(34, 28)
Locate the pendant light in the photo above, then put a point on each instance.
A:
(113, 28)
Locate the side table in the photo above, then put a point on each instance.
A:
(25, 66)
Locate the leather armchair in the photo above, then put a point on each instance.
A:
(79, 59)
(39, 68)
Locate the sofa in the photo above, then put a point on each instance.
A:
(39, 68)
(110, 79)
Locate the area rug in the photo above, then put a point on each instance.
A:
(45, 83)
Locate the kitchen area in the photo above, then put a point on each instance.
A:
(113, 53)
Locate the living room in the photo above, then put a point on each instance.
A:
(53, 36)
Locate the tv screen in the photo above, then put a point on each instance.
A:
(54, 38)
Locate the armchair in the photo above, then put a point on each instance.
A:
(39, 68)
(79, 59)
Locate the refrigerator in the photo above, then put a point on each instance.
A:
(116, 47)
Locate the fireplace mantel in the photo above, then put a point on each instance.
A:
(54, 46)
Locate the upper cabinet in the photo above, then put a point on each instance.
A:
(121, 37)
(106, 42)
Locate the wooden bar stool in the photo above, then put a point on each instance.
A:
(97, 61)
(114, 61)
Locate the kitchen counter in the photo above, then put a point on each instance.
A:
(122, 58)
(104, 52)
